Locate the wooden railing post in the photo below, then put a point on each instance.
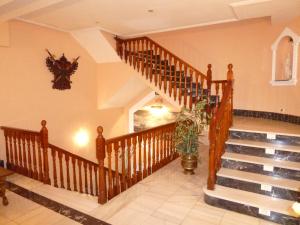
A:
(44, 144)
(209, 79)
(230, 82)
(212, 154)
(119, 48)
(100, 152)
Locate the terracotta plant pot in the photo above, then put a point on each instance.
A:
(189, 163)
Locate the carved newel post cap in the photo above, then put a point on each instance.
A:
(230, 66)
(100, 131)
(209, 66)
(44, 123)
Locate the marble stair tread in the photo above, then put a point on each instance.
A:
(289, 184)
(252, 199)
(262, 161)
(259, 125)
(261, 144)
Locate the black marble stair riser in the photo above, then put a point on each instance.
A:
(268, 115)
(256, 188)
(257, 168)
(251, 211)
(254, 151)
(280, 139)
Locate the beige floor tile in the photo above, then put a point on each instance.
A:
(4, 220)
(151, 220)
(128, 216)
(232, 218)
(66, 221)
(265, 222)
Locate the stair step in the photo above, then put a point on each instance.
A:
(260, 179)
(261, 144)
(276, 205)
(262, 161)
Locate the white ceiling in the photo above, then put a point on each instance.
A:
(131, 17)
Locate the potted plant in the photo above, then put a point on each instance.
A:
(189, 125)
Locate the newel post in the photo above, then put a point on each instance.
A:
(44, 145)
(100, 152)
(230, 80)
(209, 79)
(211, 180)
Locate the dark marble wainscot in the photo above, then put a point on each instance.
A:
(251, 211)
(256, 188)
(257, 168)
(248, 150)
(267, 115)
(55, 206)
(280, 139)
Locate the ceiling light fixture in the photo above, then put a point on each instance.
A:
(150, 11)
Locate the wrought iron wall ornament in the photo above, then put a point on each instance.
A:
(62, 70)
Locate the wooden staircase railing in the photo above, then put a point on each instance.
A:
(134, 157)
(122, 161)
(219, 129)
(170, 74)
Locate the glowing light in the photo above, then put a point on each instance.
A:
(296, 208)
(81, 138)
(157, 110)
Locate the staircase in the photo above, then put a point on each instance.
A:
(259, 175)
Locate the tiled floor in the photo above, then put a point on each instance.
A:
(168, 197)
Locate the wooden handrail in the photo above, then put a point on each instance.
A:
(219, 129)
(19, 130)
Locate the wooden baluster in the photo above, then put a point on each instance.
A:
(151, 62)
(61, 172)
(157, 164)
(12, 164)
(209, 79)
(140, 173)
(191, 89)
(24, 155)
(134, 178)
(126, 50)
(116, 149)
(123, 181)
(165, 72)
(100, 148)
(74, 174)
(16, 167)
(168, 145)
(67, 158)
(35, 172)
(96, 178)
(80, 175)
(172, 146)
(7, 150)
(44, 142)
(53, 153)
(211, 171)
(30, 171)
(170, 76)
(202, 87)
(110, 176)
(149, 153)
(129, 53)
(129, 183)
(185, 85)
(155, 65)
(134, 58)
(180, 83)
(20, 153)
(86, 188)
(217, 95)
(40, 164)
(147, 59)
(143, 57)
(145, 172)
(165, 146)
(153, 151)
(160, 148)
(230, 80)
(160, 67)
(91, 178)
(175, 80)
(138, 59)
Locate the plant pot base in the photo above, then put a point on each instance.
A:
(189, 163)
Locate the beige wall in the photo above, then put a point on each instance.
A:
(26, 93)
(247, 45)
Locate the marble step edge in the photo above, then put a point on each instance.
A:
(277, 205)
(261, 144)
(264, 132)
(262, 161)
(260, 179)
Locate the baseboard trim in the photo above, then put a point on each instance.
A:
(268, 115)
